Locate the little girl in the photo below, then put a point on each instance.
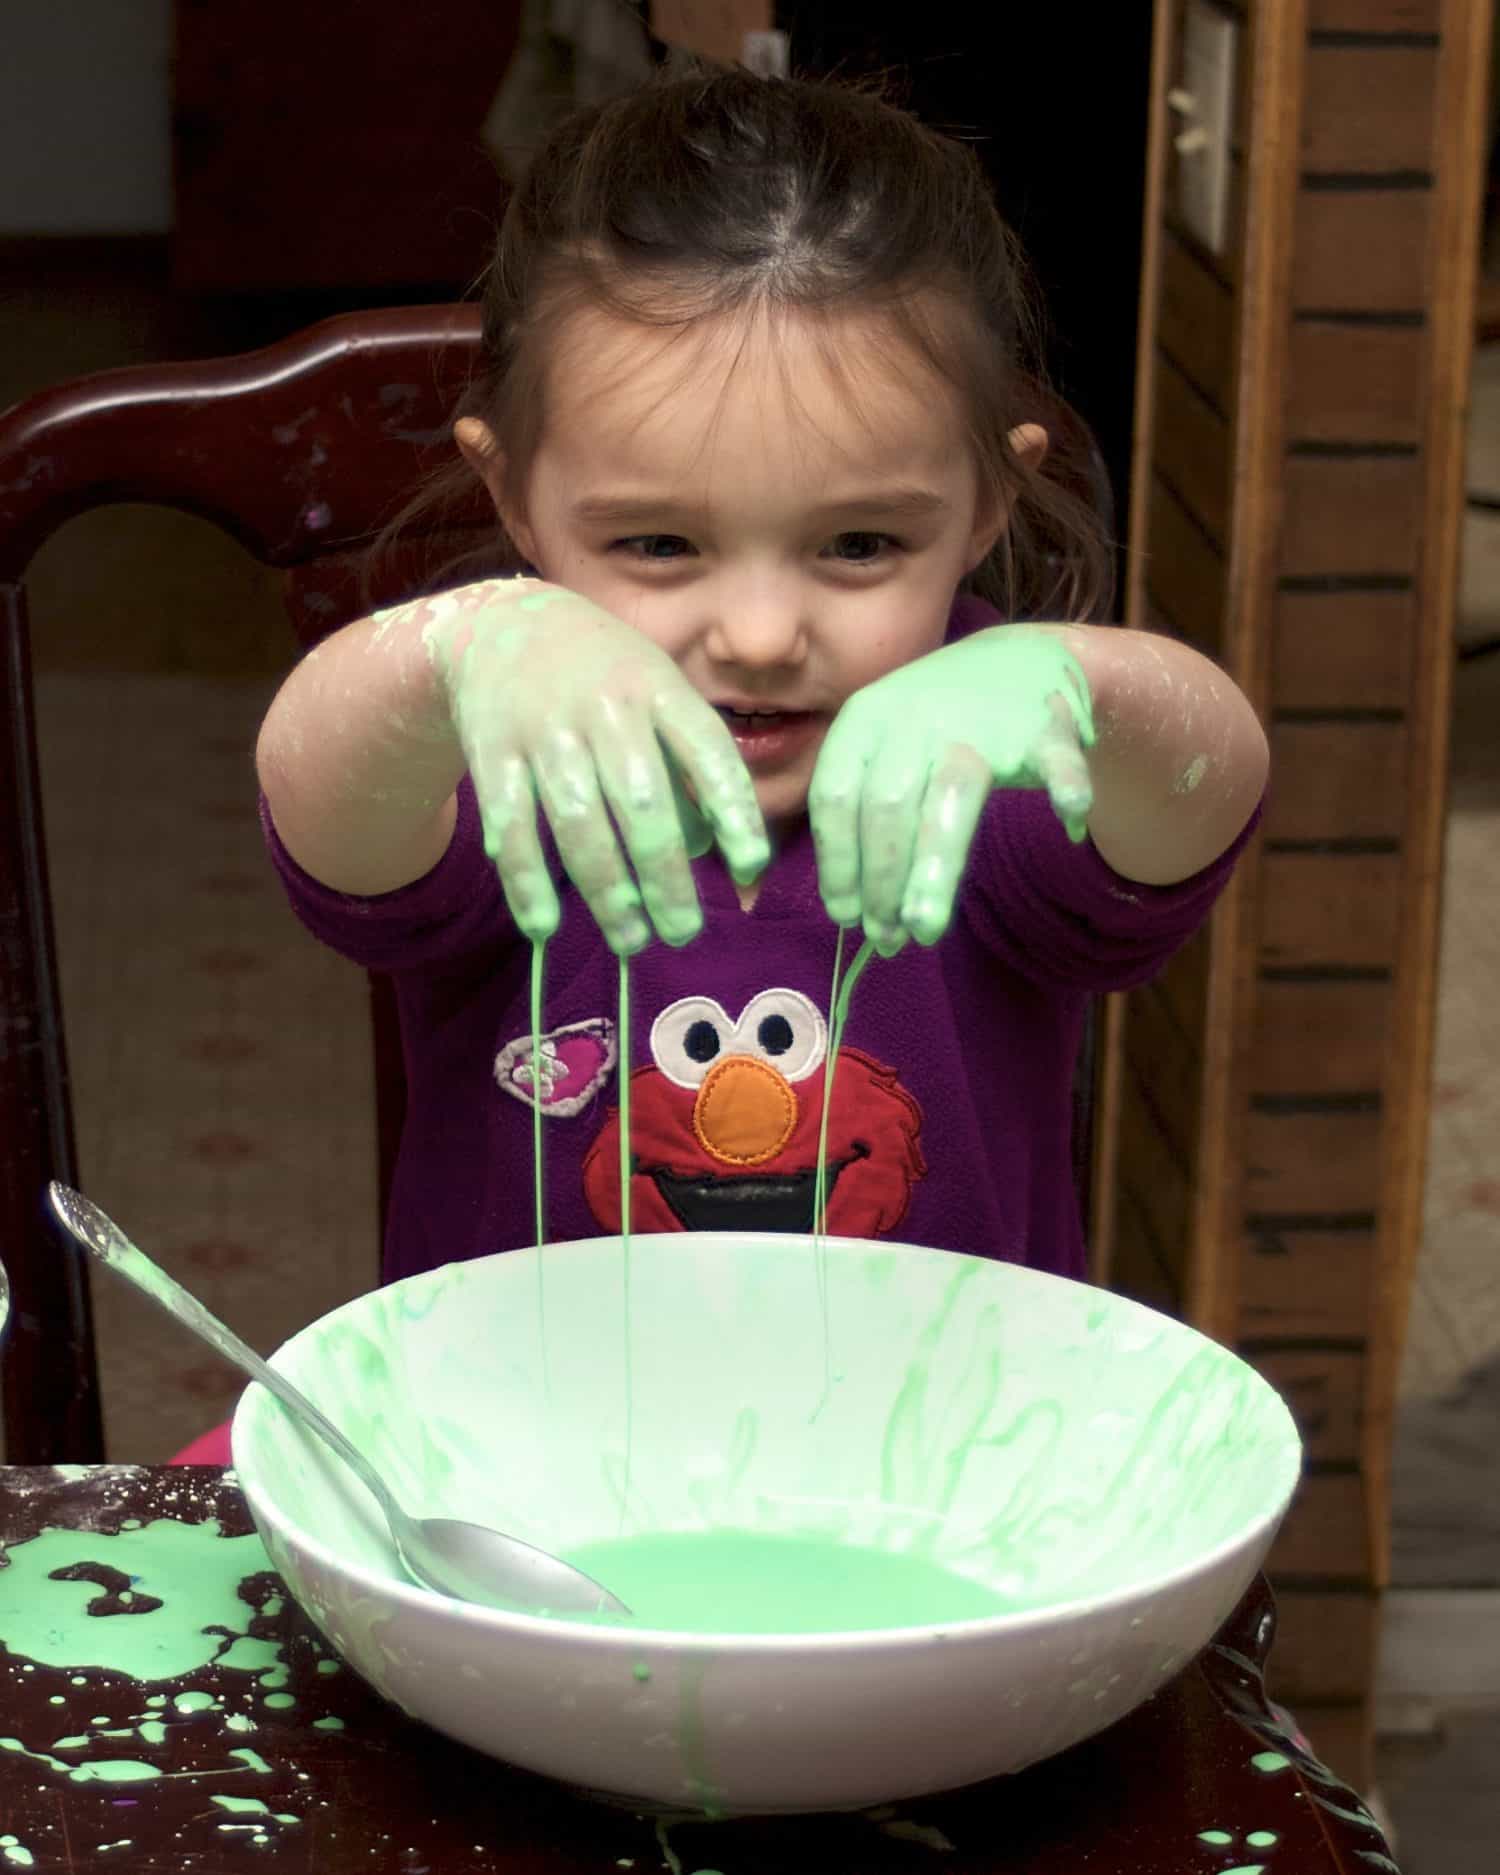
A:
(757, 416)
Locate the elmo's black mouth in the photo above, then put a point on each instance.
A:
(746, 1200)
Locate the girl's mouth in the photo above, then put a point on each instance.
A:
(768, 738)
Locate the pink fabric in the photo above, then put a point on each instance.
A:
(209, 1448)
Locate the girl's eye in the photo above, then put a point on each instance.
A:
(648, 546)
(644, 546)
(866, 547)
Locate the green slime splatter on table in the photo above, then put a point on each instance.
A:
(196, 1582)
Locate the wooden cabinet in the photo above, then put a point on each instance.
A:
(1296, 506)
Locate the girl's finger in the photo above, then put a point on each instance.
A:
(638, 787)
(833, 803)
(890, 809)
(956, 793)
(507, 816)
(697, 834)
(587, 844)
(1080, 701)
(1063, 770)
(698, 740)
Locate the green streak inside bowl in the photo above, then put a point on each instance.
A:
(1044, 1441)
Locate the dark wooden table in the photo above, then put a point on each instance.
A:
(325, 1776)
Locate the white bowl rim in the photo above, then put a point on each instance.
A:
(625, 1639)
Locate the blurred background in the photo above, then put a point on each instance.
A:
(185, 181)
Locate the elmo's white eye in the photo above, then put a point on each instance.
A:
(784, 1028)
(688, 1037)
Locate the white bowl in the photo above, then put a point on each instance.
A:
(1111, 1474)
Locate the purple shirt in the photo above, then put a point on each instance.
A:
(951, 1116)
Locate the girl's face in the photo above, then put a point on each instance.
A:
(725, 496)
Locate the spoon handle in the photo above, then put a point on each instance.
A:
(108, 1244)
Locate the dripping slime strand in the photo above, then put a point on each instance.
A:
(820, 1179)
(820, 1194)
(838, 1012)
(538, 950)
(622, 1075)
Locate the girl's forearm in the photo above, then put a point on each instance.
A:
(1180, 761)
(358, 759)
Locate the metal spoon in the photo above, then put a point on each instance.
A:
(464, 1560)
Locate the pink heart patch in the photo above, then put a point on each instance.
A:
(575, 1062)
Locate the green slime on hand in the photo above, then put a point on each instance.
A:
(625, 730)
(910, 760)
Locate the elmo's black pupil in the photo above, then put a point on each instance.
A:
(701, 1043)
(775, 1035)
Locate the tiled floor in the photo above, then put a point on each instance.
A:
(1455, 1315)
(1446, 1525)
(206, 1059)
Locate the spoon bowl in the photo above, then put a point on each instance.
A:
(468, 1561)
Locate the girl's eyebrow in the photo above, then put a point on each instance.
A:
(623, 510)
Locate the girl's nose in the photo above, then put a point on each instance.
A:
(745, 1111)
(759, 631)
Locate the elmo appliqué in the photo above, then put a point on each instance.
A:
(724, 1126)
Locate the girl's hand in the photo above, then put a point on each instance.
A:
(555, 700)
(910, 760)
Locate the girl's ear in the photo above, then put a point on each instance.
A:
(1028, 441)
(477, 445)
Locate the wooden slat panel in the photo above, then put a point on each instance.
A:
(1355, 384)
(1320, 1038)
(1151, 1175)
(1325, 1645)
(1192, 449)
(1361, 252)
(1348, 515)
(1314, 1162)
(1374, 16)
(1317, 908)
(1306, 1282)
(1167, 1060)
(1195, 321)
(1336, 780)
(1368, 110)
(1183, 982)
(1327, 1530)
(1135, 1268)
(1342, 650)
(1324, 1391)
(1183, 572)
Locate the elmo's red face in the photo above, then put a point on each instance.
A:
(724, 1127)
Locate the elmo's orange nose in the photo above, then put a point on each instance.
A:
(745, 1111)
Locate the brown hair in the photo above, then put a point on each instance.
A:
(710, 191)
